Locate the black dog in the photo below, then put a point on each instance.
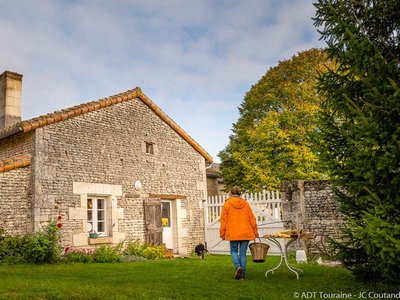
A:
(200, 250)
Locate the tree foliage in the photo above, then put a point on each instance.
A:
(270, 139)
(359, 137)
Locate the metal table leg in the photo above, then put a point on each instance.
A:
(283, 257)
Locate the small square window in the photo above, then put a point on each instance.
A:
(149, 148)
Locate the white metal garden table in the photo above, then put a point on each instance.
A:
(283, 253)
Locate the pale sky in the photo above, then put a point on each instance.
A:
(196, 59)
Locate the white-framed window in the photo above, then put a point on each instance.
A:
(97, 215)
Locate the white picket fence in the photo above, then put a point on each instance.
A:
(266, 206)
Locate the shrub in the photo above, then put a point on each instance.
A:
(108, 254)
(13, 249)
(79, 255)
(44, 247)
(135, 248)
(152, 252)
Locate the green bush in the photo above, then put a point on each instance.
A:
(151, 252)
(79, 257)
(107, 254)
(135, 248)
(44, 247)
(135, 251)
(12, 249)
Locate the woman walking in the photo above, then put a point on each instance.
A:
(238, 225)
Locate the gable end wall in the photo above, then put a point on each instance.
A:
(107, 146)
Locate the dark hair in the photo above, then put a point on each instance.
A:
(235, 191)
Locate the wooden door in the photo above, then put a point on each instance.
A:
(152, 214)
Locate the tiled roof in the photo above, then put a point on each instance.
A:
(32, 124)
(14, 163)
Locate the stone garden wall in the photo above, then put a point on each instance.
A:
(311, 206)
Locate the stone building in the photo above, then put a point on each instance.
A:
(215, 183)
(118, 166)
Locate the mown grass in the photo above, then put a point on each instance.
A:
(211, 278)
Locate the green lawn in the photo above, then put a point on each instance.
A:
(211, 278)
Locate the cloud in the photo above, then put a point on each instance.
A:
(195, 59)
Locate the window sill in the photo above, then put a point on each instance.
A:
(100, 240)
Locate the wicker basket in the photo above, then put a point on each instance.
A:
(258, 251)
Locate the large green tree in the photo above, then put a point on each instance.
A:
(359, 137)
(270, 139)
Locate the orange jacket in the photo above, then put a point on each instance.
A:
(237, 221)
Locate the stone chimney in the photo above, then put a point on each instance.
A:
(10, 99)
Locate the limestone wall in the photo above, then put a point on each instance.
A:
(311, 206)
(215, 184)
(14, 201)
(16, 145)
(212, 186)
